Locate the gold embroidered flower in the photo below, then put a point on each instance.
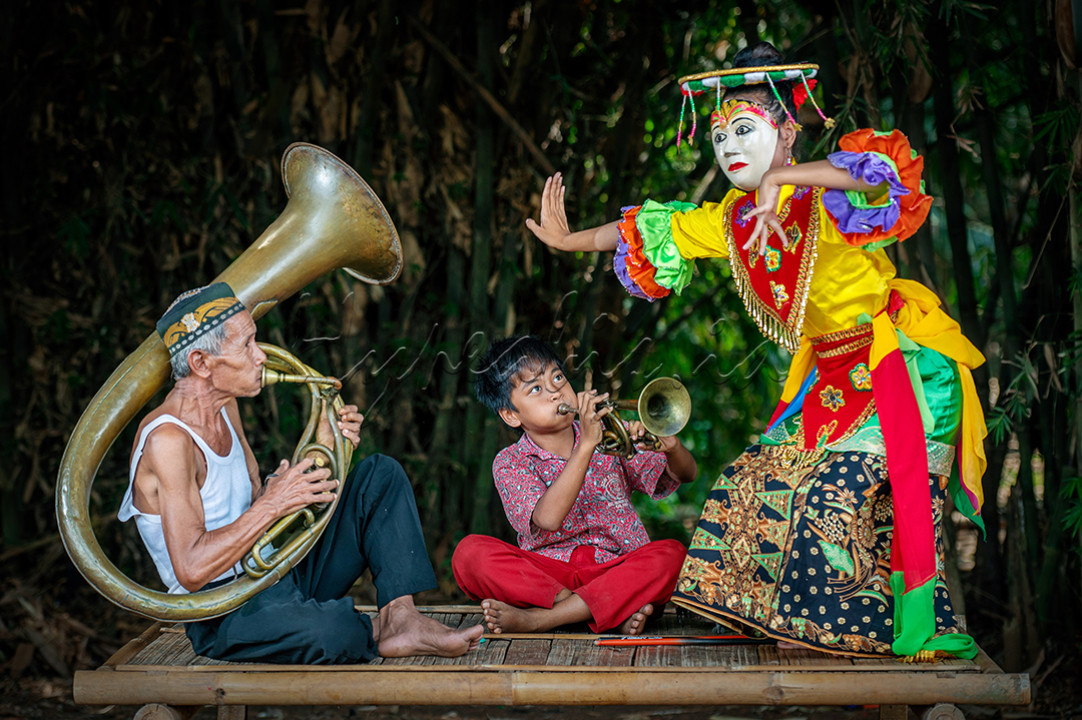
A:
(832, 398)
(861, 377)
(772, 259)
(793, 231)
(780, 296)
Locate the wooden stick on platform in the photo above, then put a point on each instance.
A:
(649, 640)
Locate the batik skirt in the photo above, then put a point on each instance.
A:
(796, 544)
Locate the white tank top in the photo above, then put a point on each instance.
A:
(226, 494)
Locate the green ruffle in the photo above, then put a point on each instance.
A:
(654, 223)
(873, 246)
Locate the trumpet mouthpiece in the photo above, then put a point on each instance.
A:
(565, 409)
(273, 377)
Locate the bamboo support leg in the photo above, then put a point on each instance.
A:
(158, 711)
(893, 712)
(232, 712)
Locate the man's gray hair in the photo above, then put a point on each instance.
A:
(209, 342)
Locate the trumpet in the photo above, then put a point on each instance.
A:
(664, 407)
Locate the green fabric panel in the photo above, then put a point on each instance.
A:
(910, 352)
(783, 433)
(654, 223)
(957, 644)
(914, 622)
(942, 394)
(914, 615)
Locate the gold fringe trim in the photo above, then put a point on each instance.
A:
(846, 348)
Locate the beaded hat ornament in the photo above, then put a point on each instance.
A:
(195, 313)
(717, 80)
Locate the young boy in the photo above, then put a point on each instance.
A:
(583, 554)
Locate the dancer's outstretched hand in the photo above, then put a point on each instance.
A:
(553, 229)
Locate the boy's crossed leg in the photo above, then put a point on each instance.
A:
(568, 608)
(523, 591)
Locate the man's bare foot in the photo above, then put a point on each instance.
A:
(401, 631)
(499, 617)
(635, 624)
(782, 645)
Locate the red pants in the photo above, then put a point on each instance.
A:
(485, 567)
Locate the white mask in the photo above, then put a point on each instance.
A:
(744, 142)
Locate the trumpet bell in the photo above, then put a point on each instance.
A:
(664, 406)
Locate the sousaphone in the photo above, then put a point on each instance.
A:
(332, 220)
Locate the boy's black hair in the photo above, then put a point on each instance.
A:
(506, 359)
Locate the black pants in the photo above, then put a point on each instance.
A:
(306, 617)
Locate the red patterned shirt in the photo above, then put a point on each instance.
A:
(602, 515)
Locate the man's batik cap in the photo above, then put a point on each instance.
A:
(195, 313)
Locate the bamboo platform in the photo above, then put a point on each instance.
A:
(159, 670)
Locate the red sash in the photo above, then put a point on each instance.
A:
(774, 286)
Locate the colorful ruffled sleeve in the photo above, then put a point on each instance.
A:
(878, 158)
(647, 260)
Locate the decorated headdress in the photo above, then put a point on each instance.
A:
(195, 313)
(718, 80)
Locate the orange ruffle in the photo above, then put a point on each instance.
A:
(639, 268)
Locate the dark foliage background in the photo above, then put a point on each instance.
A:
(142, 142)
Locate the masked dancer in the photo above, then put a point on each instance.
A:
(826, 533)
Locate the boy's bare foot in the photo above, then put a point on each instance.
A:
(401, 631)
(635, 624)
(499, 617)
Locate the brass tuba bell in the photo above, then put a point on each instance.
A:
(332, 220)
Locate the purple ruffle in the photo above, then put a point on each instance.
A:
(619, 266)
(873, 170)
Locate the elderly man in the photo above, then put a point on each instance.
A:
(196, 494)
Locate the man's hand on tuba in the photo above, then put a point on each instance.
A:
(349, 424)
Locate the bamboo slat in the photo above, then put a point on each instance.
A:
(681, 656)
(527, 652)
(804, 657)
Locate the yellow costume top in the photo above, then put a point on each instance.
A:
(833, 278)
